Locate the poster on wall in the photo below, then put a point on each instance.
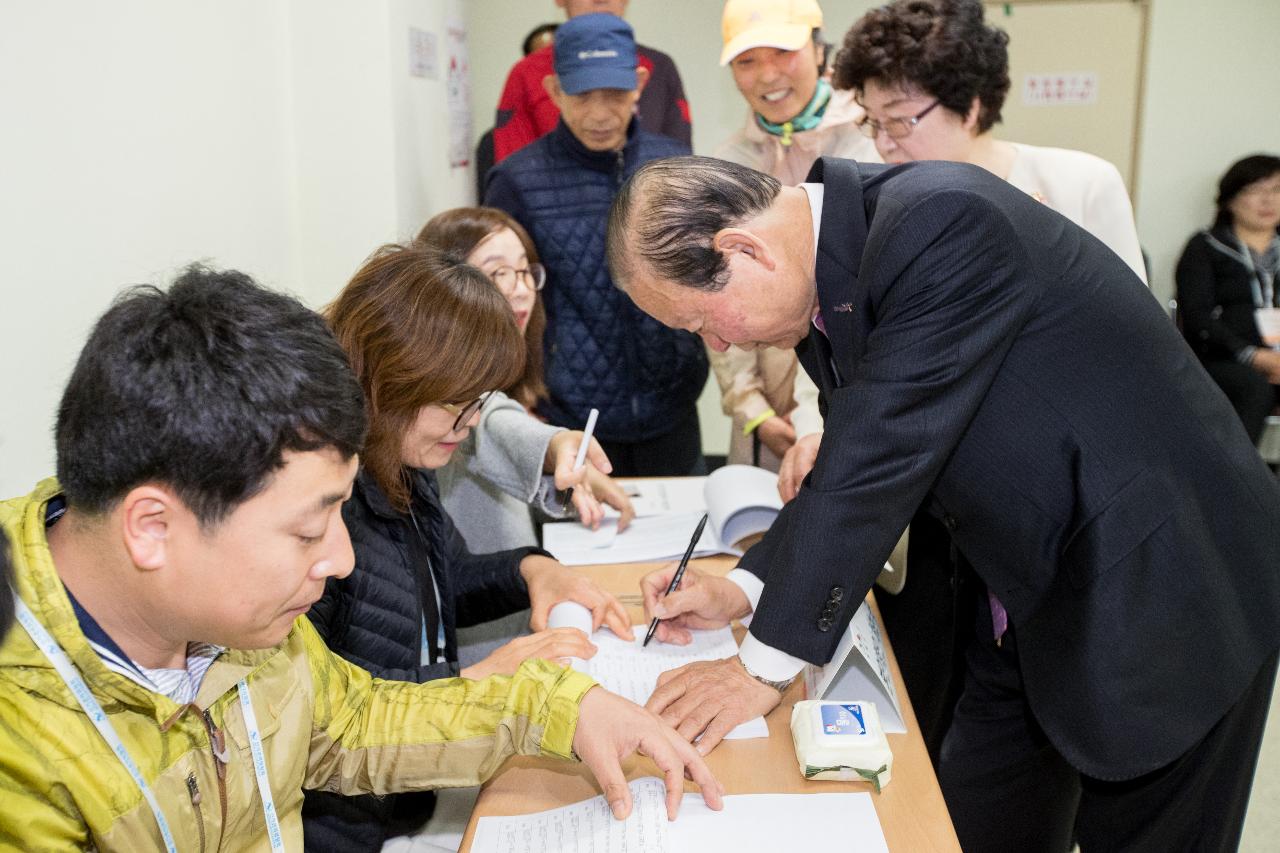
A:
(423, 57)
(458, 87)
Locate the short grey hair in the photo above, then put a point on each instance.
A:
(669, 211)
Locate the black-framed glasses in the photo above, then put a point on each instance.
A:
(533, 277)
(896, 128)
(466, 411)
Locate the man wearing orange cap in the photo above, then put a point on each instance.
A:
(775, 51)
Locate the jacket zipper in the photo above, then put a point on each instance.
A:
(218, 746)
(193, 788)
(619, 167)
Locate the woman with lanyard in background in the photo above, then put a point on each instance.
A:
(1227, 288)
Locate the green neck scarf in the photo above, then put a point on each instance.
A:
(809, 118)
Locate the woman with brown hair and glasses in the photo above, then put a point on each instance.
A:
(427, 338)
(499, 471)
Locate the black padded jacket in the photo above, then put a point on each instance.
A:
(374, 619)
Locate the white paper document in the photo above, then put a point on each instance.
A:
(749, 822)
(663, 495)
(859, 672)
(632, 671)
(658, 537)
(740, 501)
(586, 827)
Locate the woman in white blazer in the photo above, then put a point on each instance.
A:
(932, 78)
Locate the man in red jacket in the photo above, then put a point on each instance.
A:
(526, 112)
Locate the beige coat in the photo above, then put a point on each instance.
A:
(1087, 190)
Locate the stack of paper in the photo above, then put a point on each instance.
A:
(749, 822)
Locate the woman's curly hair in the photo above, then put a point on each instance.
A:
(942, 47)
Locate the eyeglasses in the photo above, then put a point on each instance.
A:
(466, 411)
(896, 128)
(533, 277)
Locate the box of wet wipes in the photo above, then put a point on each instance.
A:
(841, 741)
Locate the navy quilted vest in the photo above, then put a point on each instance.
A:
(600, 350)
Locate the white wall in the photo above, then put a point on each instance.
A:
(342, 136)
(281, 137)
(371, 140)
(134, 141)
(425, 182)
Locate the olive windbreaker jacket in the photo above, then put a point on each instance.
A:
(324, 723)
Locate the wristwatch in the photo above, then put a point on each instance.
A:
(780, 686)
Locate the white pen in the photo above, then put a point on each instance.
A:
(582, 450)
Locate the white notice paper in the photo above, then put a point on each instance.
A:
(748, 823)
(859, 672)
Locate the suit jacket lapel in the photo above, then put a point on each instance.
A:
(814, 353)
(842, 235)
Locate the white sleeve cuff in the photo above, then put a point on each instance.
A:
(751, 586)
(768, 662)
(764, 661)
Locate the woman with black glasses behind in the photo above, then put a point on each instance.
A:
(508, 473)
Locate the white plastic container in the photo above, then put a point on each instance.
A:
(842, 741)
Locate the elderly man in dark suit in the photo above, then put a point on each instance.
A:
(984, 358)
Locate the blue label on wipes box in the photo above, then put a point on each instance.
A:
(843, 720)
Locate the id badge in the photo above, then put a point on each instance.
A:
(1268, 320)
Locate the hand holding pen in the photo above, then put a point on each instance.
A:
(679, 575)
(583, 446)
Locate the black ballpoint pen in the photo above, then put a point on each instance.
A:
(678, 576)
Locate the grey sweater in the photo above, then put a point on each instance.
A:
(495, 478)
(491, 489)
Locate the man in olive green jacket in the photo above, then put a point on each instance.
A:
(206, 441)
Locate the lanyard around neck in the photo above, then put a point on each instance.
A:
(75, 682)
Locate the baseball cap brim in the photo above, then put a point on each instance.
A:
(585, 79)
(781, 36)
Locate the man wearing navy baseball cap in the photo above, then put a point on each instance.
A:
(601, 351)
